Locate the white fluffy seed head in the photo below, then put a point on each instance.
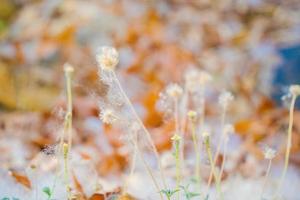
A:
(176, 137)
(107, 58)
(68, 68)
(205, 135)
(108, 116)
(194, 78)
(225, 98)
(174, 90)
(191, 77)
(295, 90)
(229, 128)
(269, 153)
(192, 115)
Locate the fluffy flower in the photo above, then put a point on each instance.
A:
(194, 78)
(176, 137)
(224, 99)
(295, 90)
(68, 68)
(192, 115)
(205, 135)
(229, 128)
(107, 58)
(108, 116)
(174, 90)
(269, 153)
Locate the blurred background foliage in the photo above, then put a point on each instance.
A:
(244, 44)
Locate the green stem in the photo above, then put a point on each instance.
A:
(212, 164)
(66, 148)
(195, 142)
(66, 171)
(177, 159)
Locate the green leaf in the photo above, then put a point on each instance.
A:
(5, 198)
(189, 195)
(168, 192)
(47, 191)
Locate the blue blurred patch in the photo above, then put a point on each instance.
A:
(287, 73)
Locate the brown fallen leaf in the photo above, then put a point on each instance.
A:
(126, 197)
(97, 197)
(21, 179)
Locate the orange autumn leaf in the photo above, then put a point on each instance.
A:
(113, 163)
(153, 118)
(126, 197)
(243, 126)
(97, 197)
(77, 184)
(67, 35)
(21, 179)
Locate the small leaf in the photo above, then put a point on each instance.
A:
(168, 192)
(47, 191)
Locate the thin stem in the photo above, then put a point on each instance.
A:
(144, 129)
(266, 178)
(176, 117)
(133, 162)
(212, 164)
(64, 148)
(219, 145)
(183, 120)
(69, 108)
(202, 107)
(66, 169)
(177, 160)
(178, 148)
(289, 141)
(195, 142)
(135, 144)
(223, 162)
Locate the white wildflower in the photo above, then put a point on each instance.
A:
(205, 135)
(68, 68)
(269, 153)
(108, 116)
(192, 115)
(224, 99)
(176, 137)
(174, 90)
(295, 90)
(107, 58)
(191, 79)
(229, 128)
(194, 78)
